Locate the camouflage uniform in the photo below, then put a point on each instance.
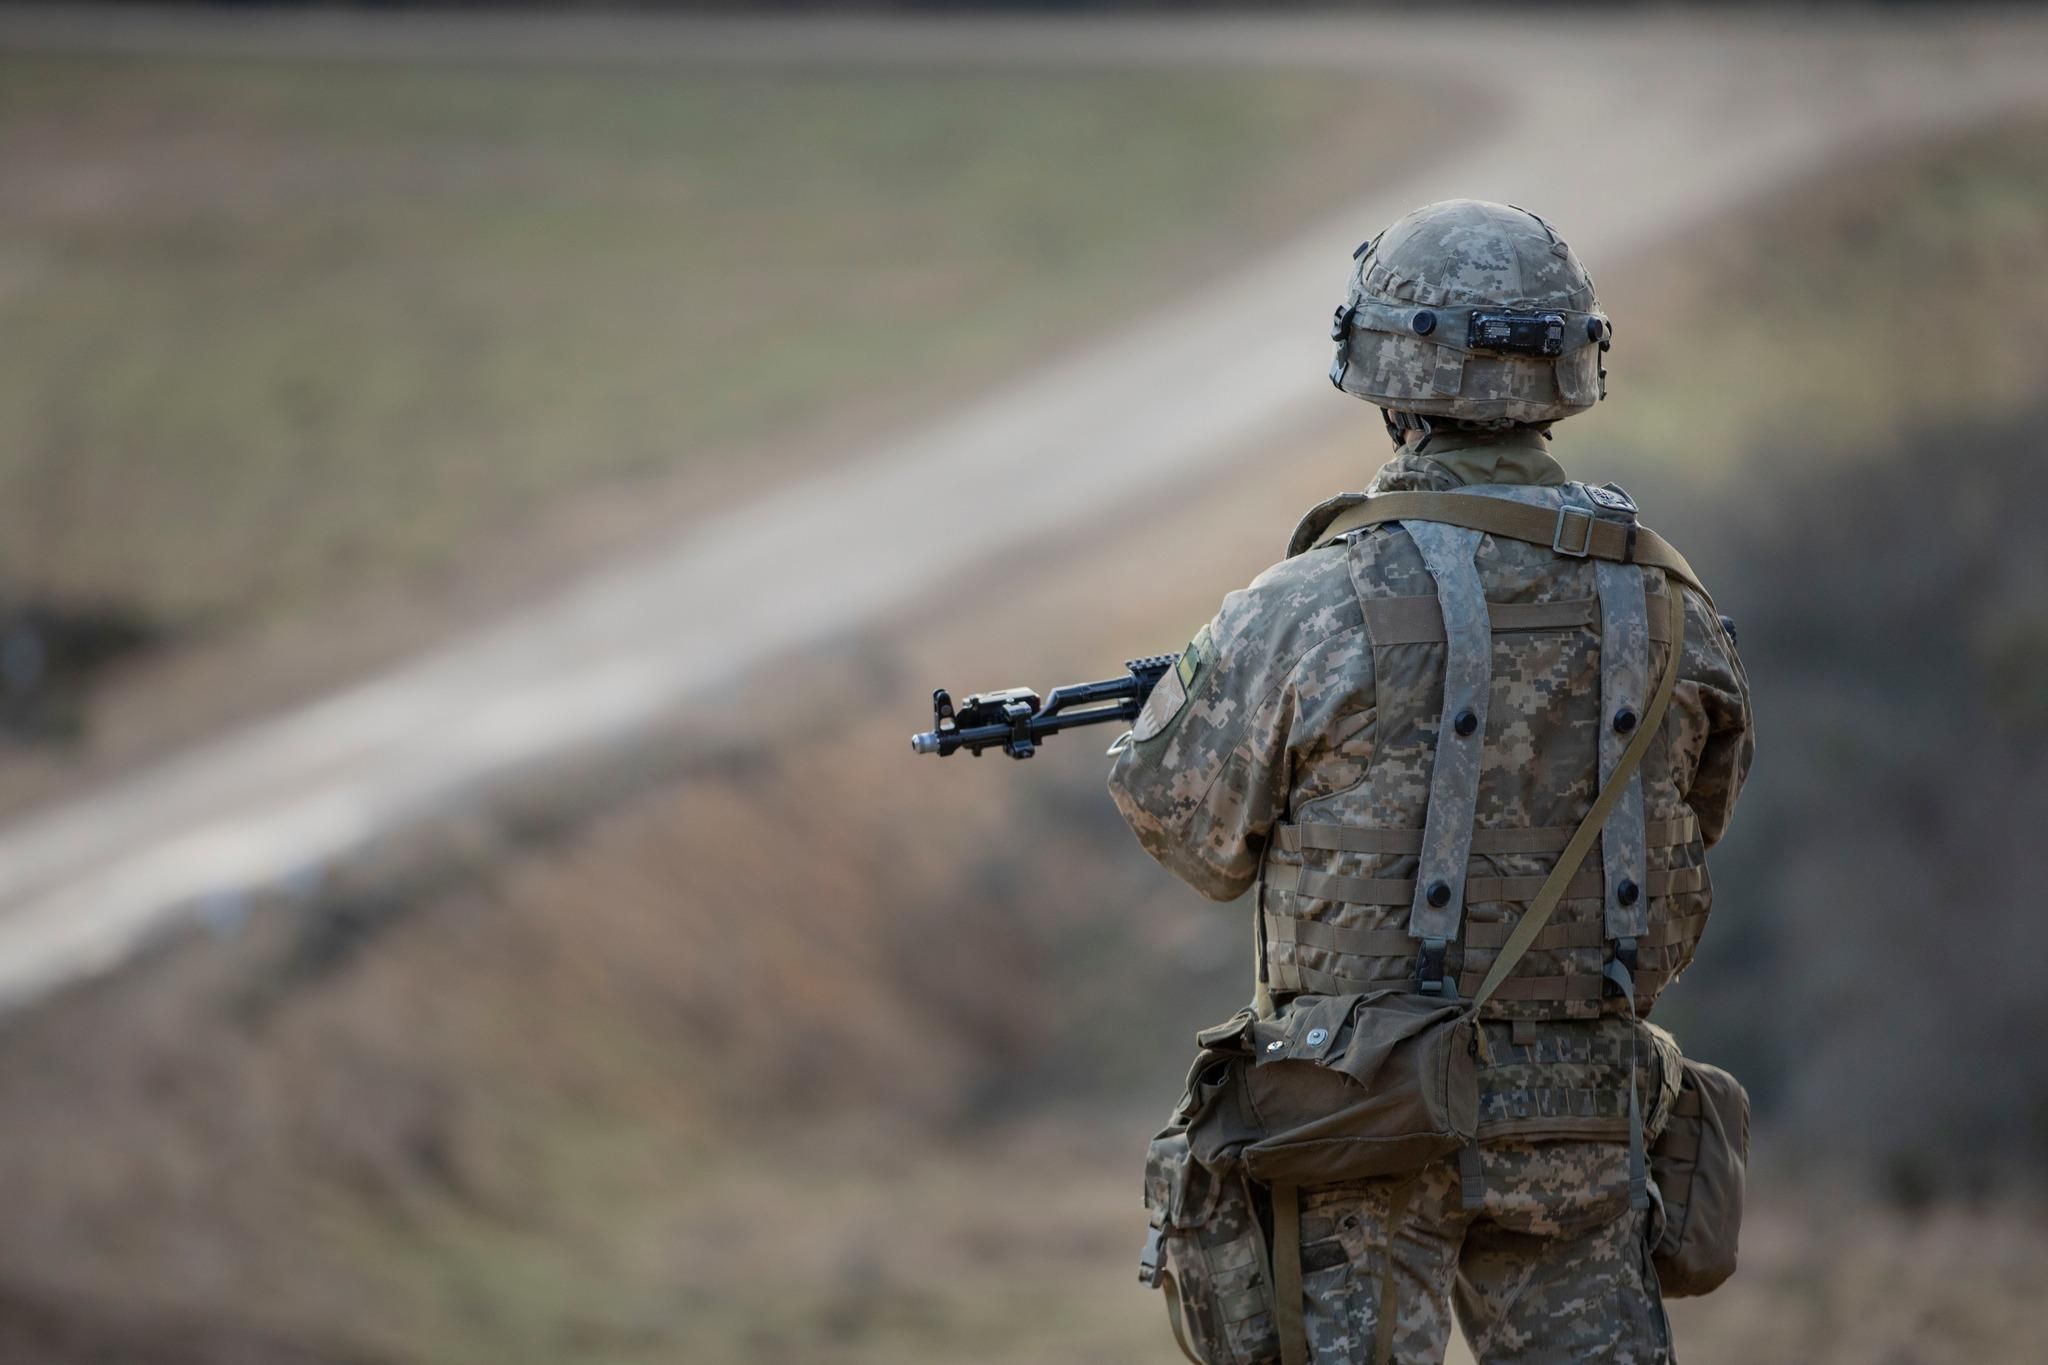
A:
(1390, 737)
(1552, 1267)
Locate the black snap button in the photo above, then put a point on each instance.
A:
(1624, 721)
(1592, 329)
(1439, 894)
(1466, 722)
(1424, 323)
(1628, 892)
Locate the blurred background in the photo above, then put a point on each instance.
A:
(486, 494)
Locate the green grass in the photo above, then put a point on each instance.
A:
(274, 330)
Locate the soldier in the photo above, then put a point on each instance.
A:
(1392, 735)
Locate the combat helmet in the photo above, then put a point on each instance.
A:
(1471, 310)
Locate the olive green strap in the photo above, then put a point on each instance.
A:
(1287, 1288)
(1173, 1318)
(1288, 1292)
(1540, 909)
(1638, 1157)
(1569, 530)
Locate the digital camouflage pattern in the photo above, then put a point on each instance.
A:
(1393, 735)
(1321, 704)
(1559, 1079)
(1403, 332)
(1552, 1267)
(1210, 1255)
(1318, 706)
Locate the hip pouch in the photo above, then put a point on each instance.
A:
(1208, 1250)
(1342, 1088)
(1698, 1163)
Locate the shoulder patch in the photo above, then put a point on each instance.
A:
(1170, 697)
(1612, 497)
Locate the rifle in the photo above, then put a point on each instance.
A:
(1015, 719)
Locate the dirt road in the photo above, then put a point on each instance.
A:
(1622, 133)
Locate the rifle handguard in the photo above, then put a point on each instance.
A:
(1016, 720)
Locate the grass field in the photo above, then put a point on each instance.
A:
(277, 332)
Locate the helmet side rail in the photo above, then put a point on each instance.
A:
(1016, 721)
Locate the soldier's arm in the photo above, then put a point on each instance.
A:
(1714, 670)
(1210, 765)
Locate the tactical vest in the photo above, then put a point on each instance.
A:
(1511, 668)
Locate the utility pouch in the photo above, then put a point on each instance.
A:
(1698, 1164)
(1345, 1087)
(1207, 1249)
(1341, 1088)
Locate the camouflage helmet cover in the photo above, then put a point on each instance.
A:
(1472, 310)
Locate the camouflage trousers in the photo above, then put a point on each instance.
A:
(1551, 1268)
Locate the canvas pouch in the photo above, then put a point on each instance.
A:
(1698, 1163)
(1207, 1250)
(1344, 1087)
(1340, 1088)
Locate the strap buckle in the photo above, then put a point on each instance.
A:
(1585, 535)
(1340, 332)
(1622, 982)
(1148, 1259)
(1429, 970)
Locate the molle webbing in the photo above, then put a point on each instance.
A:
(1586, 884)
(1552, 839)
(1477, 936)
(1572, 531)
(1557, 1082)
(1491, 947)
(1418, 619)
(1538, 914)
(1490, 935)
(1551, 989)
(1484, 935)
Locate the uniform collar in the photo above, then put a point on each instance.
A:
(1452, 460)
(1457, 459)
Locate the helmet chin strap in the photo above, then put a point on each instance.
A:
(1400, 425)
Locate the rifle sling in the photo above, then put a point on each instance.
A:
(1574, 531)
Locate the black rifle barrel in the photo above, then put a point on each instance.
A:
(1038, 727)
(1065, 708)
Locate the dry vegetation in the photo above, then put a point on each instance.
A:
(310, 363)
(277, 328)
(772, 1043)
(1897, 288)
(801, 1053)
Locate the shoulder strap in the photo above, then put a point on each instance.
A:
(1538, 914)
(1571, 531)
